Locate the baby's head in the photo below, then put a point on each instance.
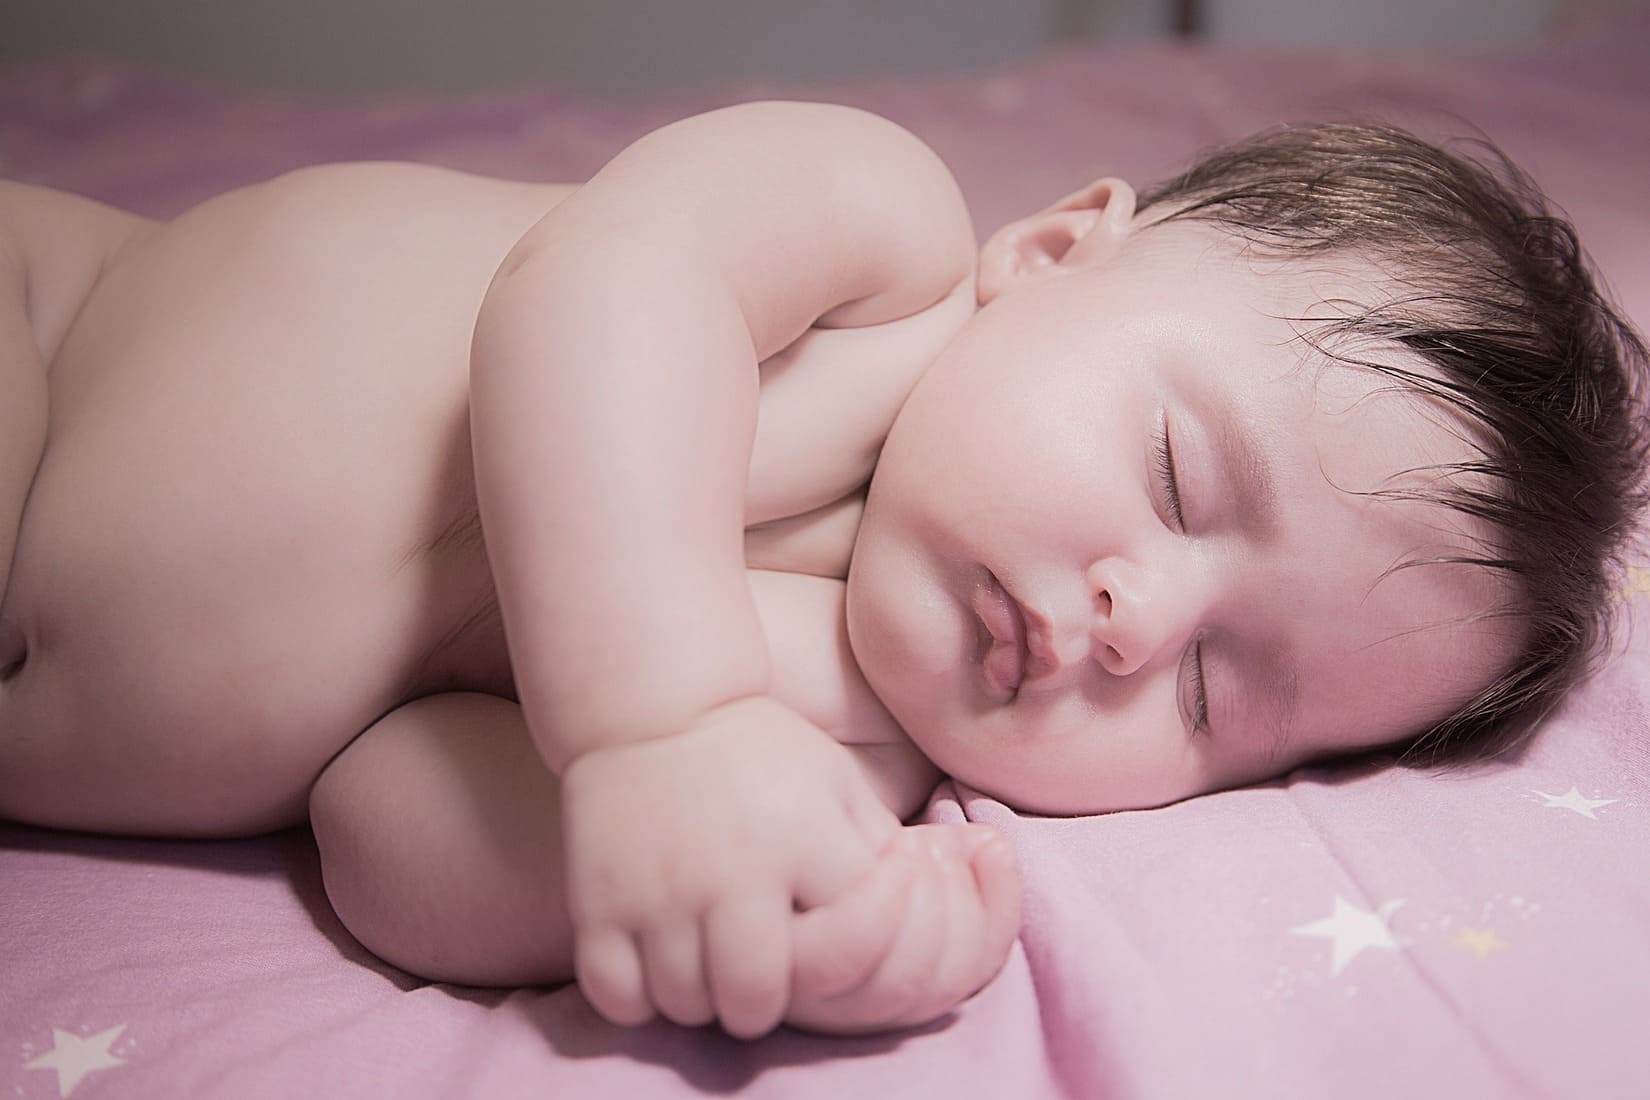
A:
(1327, 445)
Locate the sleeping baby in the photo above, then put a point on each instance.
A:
(607, 573)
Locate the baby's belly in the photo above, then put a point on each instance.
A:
(199, 682)
(237, 552)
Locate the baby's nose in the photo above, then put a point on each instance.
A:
(1139, 613)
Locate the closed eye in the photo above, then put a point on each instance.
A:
(1191, 690)
(1163, 459)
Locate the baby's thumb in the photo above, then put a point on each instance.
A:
(837, 946)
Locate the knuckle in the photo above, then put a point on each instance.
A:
(904, 989)
(831, 970)
(621, 1006)
(632, 1014)
(687, 1011)
(750, 1003)
(752, 1019)
(752, 988)
(680, 1002)
(607, 976)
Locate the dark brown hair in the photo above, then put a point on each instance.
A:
(1496, 297)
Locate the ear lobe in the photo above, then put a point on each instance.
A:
(1083, 227)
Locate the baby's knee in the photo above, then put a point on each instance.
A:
(373, 885)
(438, 855)
(344, 827)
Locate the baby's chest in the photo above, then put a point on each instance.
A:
(815, 674)
(813, 669)
(798, 567)
(828, 401)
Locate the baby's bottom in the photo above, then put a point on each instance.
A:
(440, 837)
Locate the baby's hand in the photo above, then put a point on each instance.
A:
(930, 925)
(688, 855)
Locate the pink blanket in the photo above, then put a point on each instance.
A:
(1344, 931)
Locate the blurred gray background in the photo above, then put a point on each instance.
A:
(624, 49)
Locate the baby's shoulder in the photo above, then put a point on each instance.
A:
(387, 218)
(390, 191)
(828, 401)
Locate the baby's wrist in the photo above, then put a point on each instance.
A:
(573, 712)
(719, 719)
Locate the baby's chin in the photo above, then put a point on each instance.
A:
(1056, 790)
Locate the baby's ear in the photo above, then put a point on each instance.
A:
(1084, 227)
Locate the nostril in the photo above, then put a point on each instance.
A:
(1103, 600)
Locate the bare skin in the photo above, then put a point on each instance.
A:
(248, 590)
(1107, 559)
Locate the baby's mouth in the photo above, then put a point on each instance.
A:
(1004, 663)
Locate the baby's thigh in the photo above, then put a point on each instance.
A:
(440, 837)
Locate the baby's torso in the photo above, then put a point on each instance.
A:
(251, 533)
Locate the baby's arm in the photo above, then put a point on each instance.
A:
(614, 395)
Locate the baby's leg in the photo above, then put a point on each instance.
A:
(440, 839)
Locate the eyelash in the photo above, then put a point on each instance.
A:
(1200, 697)
(1164, 461)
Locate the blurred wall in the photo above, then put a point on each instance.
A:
(1404, 24)
(629, 48)
(602, 47)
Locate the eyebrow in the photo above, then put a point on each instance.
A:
(1246, 468)
(1279, 686)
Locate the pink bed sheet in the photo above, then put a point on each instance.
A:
(1345, 931)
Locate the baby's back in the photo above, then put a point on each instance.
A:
(246, 539)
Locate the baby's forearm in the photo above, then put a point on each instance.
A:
(613, 403)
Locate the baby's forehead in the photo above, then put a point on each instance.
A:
(1344, 278)
(1316, 332)
(1373, 459)
(1407, 463)
(1389, 408)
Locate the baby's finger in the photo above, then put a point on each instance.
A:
(609, 972)
(983, 892)
(997, 879)
(964, 922)
(905, 977)
(877, 825)
(748, 963)
(838, 858)
(673, 966)
(837, 946)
